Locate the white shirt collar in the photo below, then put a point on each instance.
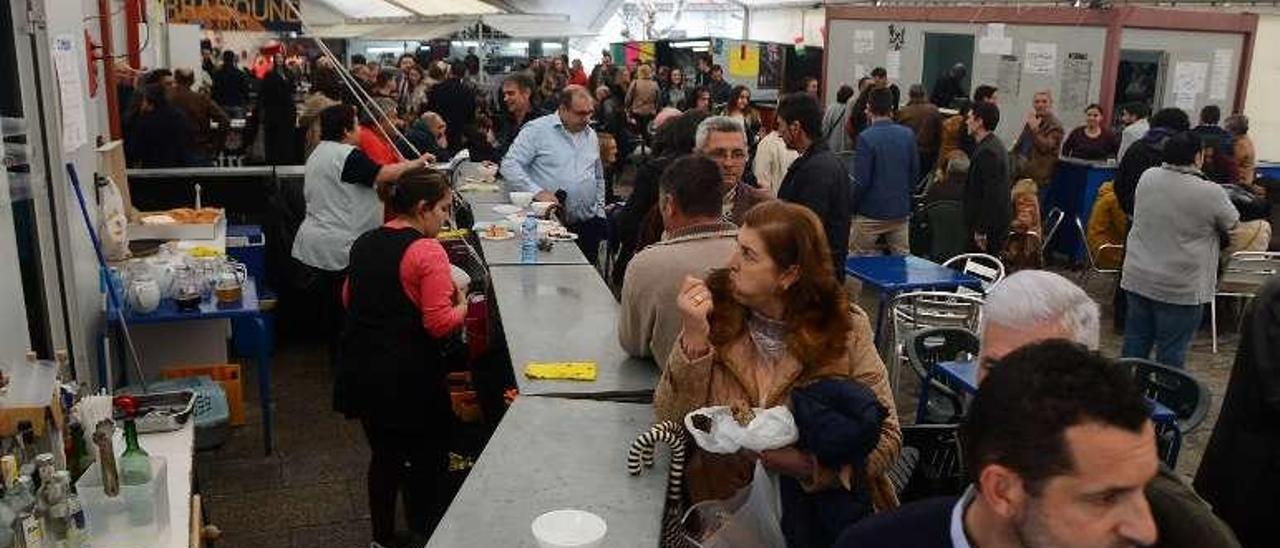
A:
(958, 538)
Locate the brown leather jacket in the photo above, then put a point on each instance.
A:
(1037, 151)
(924, 119)
(728, 376)
(201, 110)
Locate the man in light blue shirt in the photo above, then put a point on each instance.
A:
(560, 151)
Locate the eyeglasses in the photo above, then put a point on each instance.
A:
(728, 154)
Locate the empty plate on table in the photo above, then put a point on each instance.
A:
(561, 236)
(506, 209)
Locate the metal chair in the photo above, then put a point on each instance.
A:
(1178, 390)
(986, 268)
(1052, 222)
(938, 402)
(931, 463)
(1092, 267)
(1246, 272)
(945, 228)
(910, 312)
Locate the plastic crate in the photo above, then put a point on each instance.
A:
(212, 417)
(227, 375)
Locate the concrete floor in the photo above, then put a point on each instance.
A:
(311, 491)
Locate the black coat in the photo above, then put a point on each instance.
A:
(987, 202)
(630, 218)
(454, 101)
(1138, 158)
(922, 524)
(818, 180)
(230, 86)
(163, 137)
(1240, 472)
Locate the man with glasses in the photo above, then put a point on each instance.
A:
(723, 139)
(560, 152)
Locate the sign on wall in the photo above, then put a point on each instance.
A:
(252, 15)
(1077, 74)
(772, 61)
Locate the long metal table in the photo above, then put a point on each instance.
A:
(566, 313)
(507, 252)
(550, 454)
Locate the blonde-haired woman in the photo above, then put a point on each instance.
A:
(641, 101)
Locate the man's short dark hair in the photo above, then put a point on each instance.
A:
(358, 59)
(184, 77)
(844, 94)
(155, 76)
(695, 183)
(983, 93)
(336, 121)
(879, 72)
(522, 80)
(916, 91)
(1137, 109)
(1210, 115)
(717, 68)
(880, 101)
(803, 108)
(1181, 149)
(229, 57)
(1174, 119)
(988, 113)
(1020, 416)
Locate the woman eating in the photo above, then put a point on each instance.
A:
(771, 325)
(401, 303)
(1092, 141)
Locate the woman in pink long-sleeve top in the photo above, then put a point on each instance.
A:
(401, 304)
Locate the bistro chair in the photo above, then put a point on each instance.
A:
(913, 311)
(931, 463)
(1091, 267)
(1052, 222)
(1246, 272)
(1176, 389)
(938, 402)
(984, 267)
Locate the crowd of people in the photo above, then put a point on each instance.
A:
(728, 257)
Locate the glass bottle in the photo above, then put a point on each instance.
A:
(56, 513)
(26, 526)
(76, 534)
(135, 474)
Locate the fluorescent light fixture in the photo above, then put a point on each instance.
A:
(551, 45)
(694, 44)
(383, 49)
(518, 45)
(469, 44)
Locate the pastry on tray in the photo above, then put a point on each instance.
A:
(202, 216)
(742, 413)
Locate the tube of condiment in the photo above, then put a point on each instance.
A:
(107, 458)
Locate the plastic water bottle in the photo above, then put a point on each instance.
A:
(529, 240)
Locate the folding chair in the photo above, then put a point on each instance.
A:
(1092, 267)
(1245, 273)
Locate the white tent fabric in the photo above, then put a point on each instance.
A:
(362, 9)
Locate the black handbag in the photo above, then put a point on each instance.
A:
(1250, 206)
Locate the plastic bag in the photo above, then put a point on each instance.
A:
(771, 428)
(752, 518)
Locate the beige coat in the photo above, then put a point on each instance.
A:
(650, 319)
(688, 384)
(642, 98)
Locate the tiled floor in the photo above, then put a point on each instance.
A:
(311, 492)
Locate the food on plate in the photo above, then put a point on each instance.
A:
(158, 220)
(188, 216)
(701, 422)
(742, 413)
(497, 232)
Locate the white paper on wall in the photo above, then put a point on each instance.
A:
(864, 41)
(1009, 75)
(995, 30)
(893, 64)
(1189, 77)
(1041, 58)
(70, 93)
(859, 70)
(997, 45)
(1221, 75)
(1077, 75)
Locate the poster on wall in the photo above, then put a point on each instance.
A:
(772, 59)
(1077, 73)
(1221, 75)
(744, 60)
(897, 37)
(1009, 75)
(893, 64)
(66, 65)
(1041, 58)
(994, 42)
(1188, 82)
(864, 41)
(252, 15)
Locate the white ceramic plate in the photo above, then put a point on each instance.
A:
(506, 209)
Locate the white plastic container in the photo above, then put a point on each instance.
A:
(30, 383)
(569, 529)
(137, 517)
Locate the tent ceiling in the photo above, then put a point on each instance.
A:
(362, 9)
(574, 17)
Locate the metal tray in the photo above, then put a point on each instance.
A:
(162, 411)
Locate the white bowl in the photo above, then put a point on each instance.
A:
(540, 208)
(569, 529)
(521, 199)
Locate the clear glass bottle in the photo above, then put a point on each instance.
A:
(76, 533)
(56, 513)
(26, 527)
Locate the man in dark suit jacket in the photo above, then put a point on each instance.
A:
(1059, 449)
(817, 179)
(987, 204)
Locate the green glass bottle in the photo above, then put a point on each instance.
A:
(135, 463)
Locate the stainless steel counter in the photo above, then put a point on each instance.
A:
(551, 454)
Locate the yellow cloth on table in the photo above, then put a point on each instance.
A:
(567, 371)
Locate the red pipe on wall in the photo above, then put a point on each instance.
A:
(132, 17)
(108, 69)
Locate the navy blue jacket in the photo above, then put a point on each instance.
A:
(839, 422)
(922, 524)
(885, 169)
